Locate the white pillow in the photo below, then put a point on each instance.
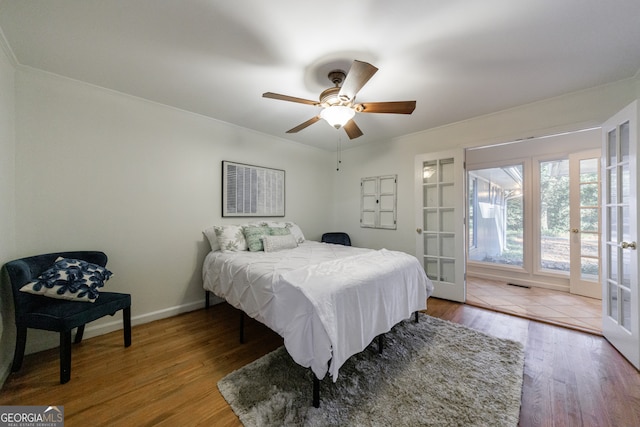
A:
(230, 238)
(210, 233)
(278, 243)
(296, 231)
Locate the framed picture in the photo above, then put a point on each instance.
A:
(249, 190)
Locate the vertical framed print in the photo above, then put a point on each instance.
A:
(249, 190)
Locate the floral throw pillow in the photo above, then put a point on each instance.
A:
(210, 233)
(70, 279)
(230, 238)
(254, 235)
(296, 231)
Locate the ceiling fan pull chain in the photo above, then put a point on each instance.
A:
(339, 153)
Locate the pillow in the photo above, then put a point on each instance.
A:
(253, 235)
(210, 233)
(70, 279)
(274, 224)
(230, 238)
(296, 231)
(278, 243)
(279, 231)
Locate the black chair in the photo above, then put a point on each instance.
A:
(41, 312)
(337, 238)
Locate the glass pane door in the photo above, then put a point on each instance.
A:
(585, 223)
(440, 222)
(620, 321)
(618, 274)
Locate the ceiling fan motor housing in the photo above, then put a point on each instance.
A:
(330, 97)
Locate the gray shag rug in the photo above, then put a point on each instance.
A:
(431, 373)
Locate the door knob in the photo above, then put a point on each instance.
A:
(627, 245)
(418, 230)
(575, 230)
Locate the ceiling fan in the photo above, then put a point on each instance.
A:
(338, 102)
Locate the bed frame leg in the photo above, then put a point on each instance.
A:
(380, 343)
(241, 327)
(417, 317)
(316, 391)
(206, 299)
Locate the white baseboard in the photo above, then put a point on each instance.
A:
(93, 331)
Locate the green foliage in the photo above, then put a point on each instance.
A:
(554, 191)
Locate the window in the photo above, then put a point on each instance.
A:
(496, 220)
(533, 212)
(554, 215)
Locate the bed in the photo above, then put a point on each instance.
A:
(327, 301)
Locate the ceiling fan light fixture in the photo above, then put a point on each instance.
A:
(337, 115)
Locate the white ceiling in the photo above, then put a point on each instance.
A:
(458, 59)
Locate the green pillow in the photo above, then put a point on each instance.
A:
(253, 235)
(279, 231)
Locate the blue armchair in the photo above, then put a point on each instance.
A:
(41, 312)
(337, 238)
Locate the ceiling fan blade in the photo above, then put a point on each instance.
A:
(289, 98)
(352, 129)
(301, 126)
(358, 76)
(396, 107)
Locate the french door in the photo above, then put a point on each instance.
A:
(620, 303)
(584, 182)
(440, 233)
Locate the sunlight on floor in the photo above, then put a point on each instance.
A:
(555, 307)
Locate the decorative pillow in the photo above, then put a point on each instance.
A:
(296, 231)
(275, 224)
(230, 238)
(279, 231)
(70, 279)
(210, 233)
(261, 224)
(253, 235)
(278, 243)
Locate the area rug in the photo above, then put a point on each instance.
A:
(431, 373)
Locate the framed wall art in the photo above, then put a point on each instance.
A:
(249, 190)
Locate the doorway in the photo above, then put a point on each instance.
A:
(533, 227)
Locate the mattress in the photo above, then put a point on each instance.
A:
(327, 301)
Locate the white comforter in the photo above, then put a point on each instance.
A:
(327, 301)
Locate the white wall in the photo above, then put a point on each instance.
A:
(574, 111)
(7, 203)
(96, 169)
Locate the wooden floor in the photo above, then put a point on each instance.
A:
(168, 376)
